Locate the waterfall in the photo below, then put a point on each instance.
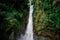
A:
(29, 30)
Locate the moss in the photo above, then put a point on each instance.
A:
(46, 14)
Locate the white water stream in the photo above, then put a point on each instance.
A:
(29, 30)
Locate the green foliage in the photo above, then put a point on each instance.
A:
(50, 8)
(12, 15)
(52, 12)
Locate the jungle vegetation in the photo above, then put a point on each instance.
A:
(13, 16)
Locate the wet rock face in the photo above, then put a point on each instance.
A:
(46, 38)
(41, 38)
(47, 35)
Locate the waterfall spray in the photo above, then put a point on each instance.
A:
(29, 30)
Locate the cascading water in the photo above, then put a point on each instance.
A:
(29, 30)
